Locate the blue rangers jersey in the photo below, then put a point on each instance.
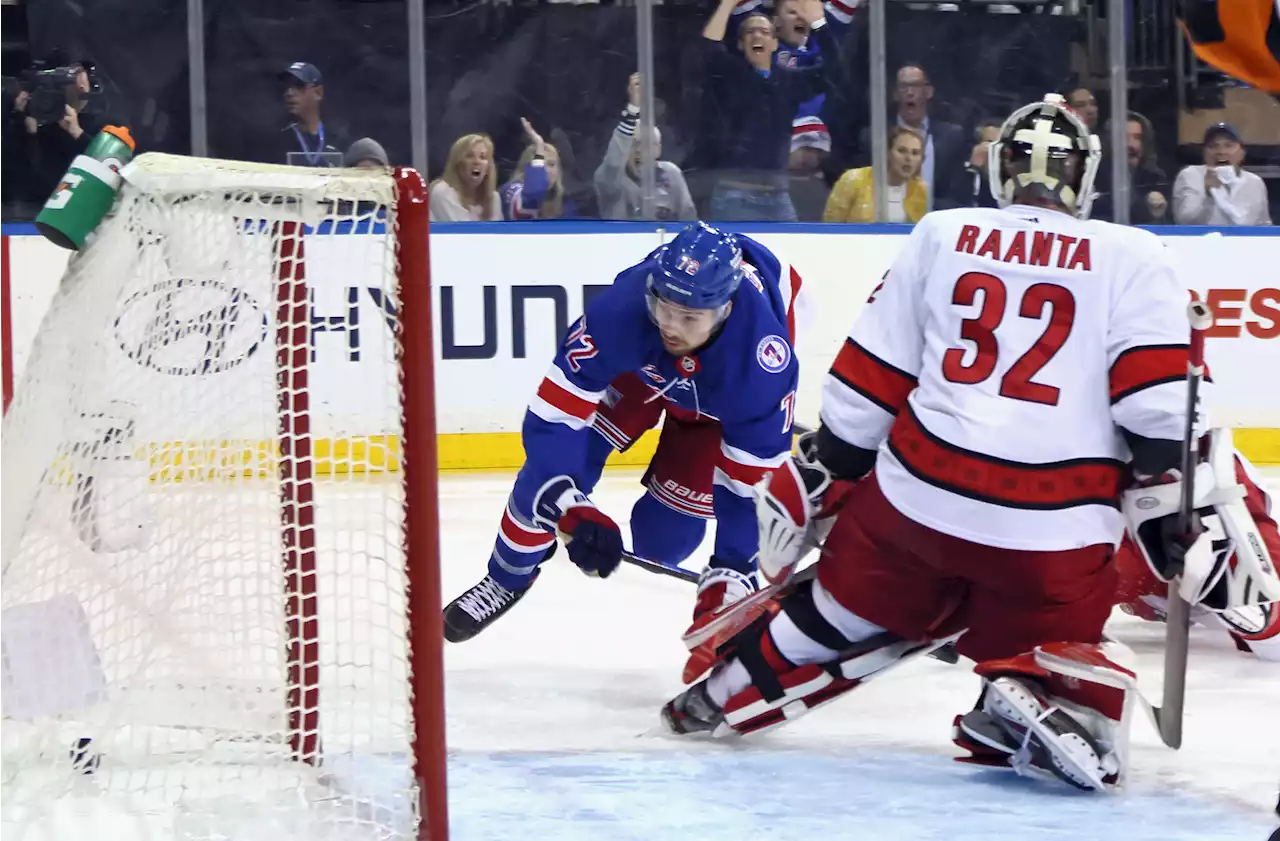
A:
(745, 378)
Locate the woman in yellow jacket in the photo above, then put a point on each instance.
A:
(852, 198)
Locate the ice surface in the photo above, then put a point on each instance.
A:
(552, 716)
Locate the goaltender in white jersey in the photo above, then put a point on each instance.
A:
(1017, 370)
(1015, 413)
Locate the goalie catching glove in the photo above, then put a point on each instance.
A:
(592, 539)
(796, 503)
(1224, 562)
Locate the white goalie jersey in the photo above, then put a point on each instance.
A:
(995, 363)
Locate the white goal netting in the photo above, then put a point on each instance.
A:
(205, 625)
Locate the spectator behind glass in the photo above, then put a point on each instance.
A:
(1084, 103)
(853, 197)
(944, 159)
(1220, 191)
(47, 146)
(468, 190)
(987, 132)
(757, 102)
(306, 141)
(367, 153)
(536, 188)
(1148, 185)
(810, 139)
(617, 179)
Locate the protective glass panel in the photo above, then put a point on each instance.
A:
(320, 85)
(523, 107)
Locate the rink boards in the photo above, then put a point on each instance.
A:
(504, 294)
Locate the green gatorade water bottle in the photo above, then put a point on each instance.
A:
(88, 189)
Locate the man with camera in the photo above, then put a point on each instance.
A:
(53, 117)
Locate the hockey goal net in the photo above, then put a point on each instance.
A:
(220, 580)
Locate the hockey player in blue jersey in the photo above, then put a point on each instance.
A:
(710, 348)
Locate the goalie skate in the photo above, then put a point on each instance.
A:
(692, 711)
(1042, 736)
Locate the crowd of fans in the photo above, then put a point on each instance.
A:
(772, 81)
(775, 83)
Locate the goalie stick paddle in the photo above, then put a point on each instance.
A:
(1168, 716)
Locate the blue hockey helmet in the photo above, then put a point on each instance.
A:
(699, 269)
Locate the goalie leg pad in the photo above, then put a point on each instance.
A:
(815, 629)
(785, 666)
(783, 696)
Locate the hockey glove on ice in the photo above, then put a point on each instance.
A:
(592, 539)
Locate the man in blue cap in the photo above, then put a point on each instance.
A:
(306, 141)
(1221, 191)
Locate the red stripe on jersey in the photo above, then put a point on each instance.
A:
(796, 283)
(747, 474)
(520, 535)
(566, 401)
(872, 377)
(847, 8)
(1142, 367)
(1013, 484)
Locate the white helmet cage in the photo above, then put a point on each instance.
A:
(1050, 138)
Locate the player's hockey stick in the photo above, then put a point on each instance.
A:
(1168, 715)
(660, 569)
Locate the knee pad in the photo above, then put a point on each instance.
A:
(663, 534)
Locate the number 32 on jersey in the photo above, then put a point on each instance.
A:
(1017, 383)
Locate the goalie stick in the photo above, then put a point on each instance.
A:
(1168, 716)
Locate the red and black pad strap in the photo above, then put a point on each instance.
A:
(801, 610)
(757, 652)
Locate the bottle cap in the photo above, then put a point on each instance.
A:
(121, 133)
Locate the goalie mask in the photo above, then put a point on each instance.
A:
(1229, 566)
(1045, 150)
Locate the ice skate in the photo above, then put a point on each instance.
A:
(1046, 737)
(479, 607)
(692, 711)
(987, 743)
